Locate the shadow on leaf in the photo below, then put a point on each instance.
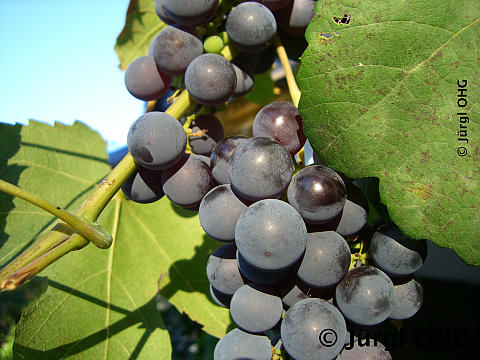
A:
(10, 138)
(146, 317)
(190, 275)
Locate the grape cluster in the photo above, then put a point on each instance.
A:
(300, 270)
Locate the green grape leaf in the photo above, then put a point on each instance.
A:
(262, 92)
(379, 85)
(100, 303)
(141, 26)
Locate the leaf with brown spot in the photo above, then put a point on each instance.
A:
(381, 101)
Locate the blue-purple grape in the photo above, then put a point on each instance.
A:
(144, 81)
(365, 296)
(326, 259)
(294, 19)
(408, 298)
(144, 186)
(355, 212)
(258, 276)
(255, 309)
(271, 235)
(220, 157)
(240, 345)
(219, 212)
(251, 27)
(222, 270)
(395, 253)
(220, 298)
(162, 13)
(375, 351)
(186, 183)
(260, 168)
(313, 329)
(204, 144)
(190, 13)
(156, 140)
(318, 193)
(174, 49)
(210, 79)
(281, 121)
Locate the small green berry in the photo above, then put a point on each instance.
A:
(213, 44)
(225, 38)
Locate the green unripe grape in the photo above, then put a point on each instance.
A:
(224, 36)
(213, 44)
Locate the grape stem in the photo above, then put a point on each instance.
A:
(91, 231)
(293, 88)
(73, 234)
(291, 82)
(62, 238)
(360, 255)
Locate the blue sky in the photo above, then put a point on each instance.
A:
(57, 63)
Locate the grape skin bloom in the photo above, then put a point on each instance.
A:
(260, 168)
(190, 13)
(255, 309)
(240, 345)
(220, 157)
(144, 81)
(156, 140)
(174, 49)
(251, 27)
(222, 270)
(365, 295)
(219, 212)
(210, 79)
(408, 299)
(144, 186)
(313, 329)
(271, 235)
(326, 259)
(186, 183)
(393, 257)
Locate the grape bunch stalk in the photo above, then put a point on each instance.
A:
(300, 269)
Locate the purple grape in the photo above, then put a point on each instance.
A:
(219, 212)
(156, 140)
(260, 168)
(144, 186)
(174, 49)
(186, 183)
(282, 122)
(318, 193)
(395, 253)
(222, 270)
(220, 157)
(313, 329)
(251, 27)
(203, 145)
(365, 296)
(295, 18)
(326, 259)
(144, 81)
(271, 235)
(210, 79)
(191, 13)
(408, 299)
